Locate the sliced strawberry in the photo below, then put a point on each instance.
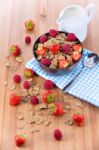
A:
(54, 48)
(15, 99)
(48, 97)
(41, 51)
(63, 63)
(76, 55)
(77, 47)
(57, 109)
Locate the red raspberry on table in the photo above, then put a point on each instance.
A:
(34, 100)
(48, 84)
(17, 78)
(71, 37)
(26, 85)
(43, 39)
(66, 48)
(45, 61)
(57, 134)
(53, 32)
(27, 40)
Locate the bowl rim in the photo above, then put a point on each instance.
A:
(55, 69)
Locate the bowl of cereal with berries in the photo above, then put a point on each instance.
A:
(58, 51)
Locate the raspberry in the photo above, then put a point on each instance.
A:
(27, 40)
(26, 85)
(53, 32)
(58, 134)
(43, 39)
(17, 78)
(34, 100)
(66, 48)
(48, 84)
(45, 61)
(71, 37)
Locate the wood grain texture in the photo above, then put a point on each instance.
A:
(44, 13)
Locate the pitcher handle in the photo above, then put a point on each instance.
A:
(91, 9)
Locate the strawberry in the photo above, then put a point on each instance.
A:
(77, 47)
(57, 109)
(15, 50)
(54, 48)
(57, 134)
(15, 99)
(19, 140)
(76, 55)
(78, 119)
(41, 51)
(48, 97)
(63, 63)
(28, 73)
(29, 24)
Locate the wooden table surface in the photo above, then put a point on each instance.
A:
(13, 13)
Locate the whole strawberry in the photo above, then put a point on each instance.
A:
(15, 99)
(19, 140)
(34, 100)
(57, 134)
(28, 73)
(57, 109)
(15, 50)
(48, 97)
(78, 119)
(29, 24)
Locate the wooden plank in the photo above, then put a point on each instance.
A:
(45, 12)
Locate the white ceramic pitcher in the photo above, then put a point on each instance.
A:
(75, 19)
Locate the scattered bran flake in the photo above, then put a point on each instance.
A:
(20, 116)
(19, 59)
(12, 88)
(69, 122)
(30, 79)
(7, 64)
(68, 107)
(42, 106)
(47, 123)
(36, 92)
(79, 104)
(35, 129)
(31, 120)
(36, 88)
